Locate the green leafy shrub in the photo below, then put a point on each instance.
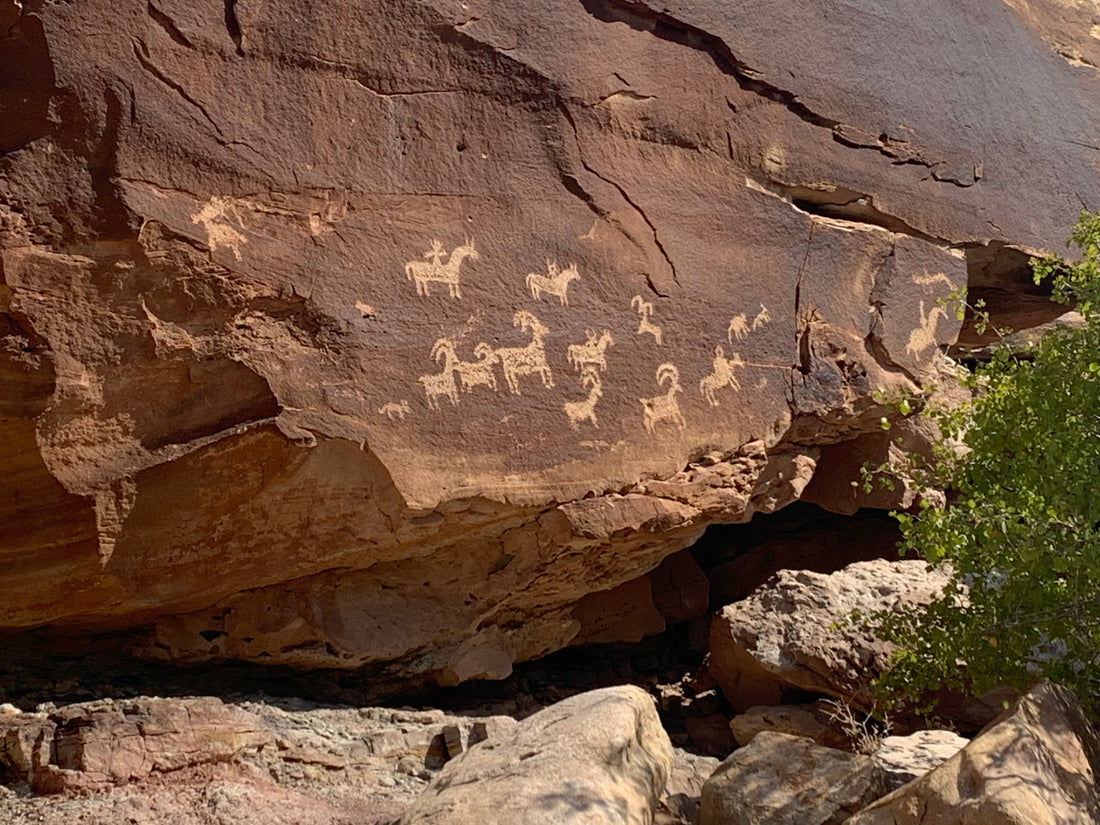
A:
(1021, 532)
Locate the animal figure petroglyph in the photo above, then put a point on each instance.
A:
(528, 360)
(762, 317)
(555, 282)
(395, 410)
(721, 375)
(645, 313)
(738, 328)
(585, 410)
(216, 217)
(938, 278)
(664, 407)
(479, 373)
(924, 336)
(434, 269)
(591, 352)
(443, 383)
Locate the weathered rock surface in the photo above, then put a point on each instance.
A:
(778, 779)
(385, 335)
(183, 761)
(905, 758)
(680, 803)
(1036, 765)
(798, 631)
(597, 758)
(795, 720)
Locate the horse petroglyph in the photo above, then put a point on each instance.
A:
(738, 328)
(762, 317)
(528, 360)
(442, 383)
(664, 407)
(645, 313)
(479, 373)
(217, 217)
(395, 411)
(591, 352)
(721, 375)
(435, 270)
(585, 410)
(555, 282)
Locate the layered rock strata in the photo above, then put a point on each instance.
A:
(334, 336)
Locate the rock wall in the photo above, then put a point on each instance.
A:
(387, 332)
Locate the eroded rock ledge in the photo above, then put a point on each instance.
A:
(388, 335)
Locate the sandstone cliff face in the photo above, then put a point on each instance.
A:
(334, 334)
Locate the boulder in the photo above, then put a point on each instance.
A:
(597, 758)
(92, 745)
(797, 632)
(795, 720)
(1035, 766)
(778, 779)
(905, 758)
(679, 805)
(382, 336)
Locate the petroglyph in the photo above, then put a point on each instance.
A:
(395, 411)
(762, 317)
(645, 313)
(555, 282)
(721, 375)
(217, 217)
(442, 383)
(435, 270)
(479, 373)
(528, 360)
(738, 328)
(924, 336)
(664, 407)
(929, 280)
(591, 352)
(585, 410)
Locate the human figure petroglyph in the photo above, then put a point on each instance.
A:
(216, 217)
(479, 373)
(555, 282)
(645, 313)
(442, 383)
(721, 375)
(435, 270)
(528, 360)
(591, 352)
(664, 407)
(762, 317)
(395, 411)
(738, 328)
(924, 336)
(585, 410)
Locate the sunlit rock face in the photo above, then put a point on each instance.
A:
(385, 333)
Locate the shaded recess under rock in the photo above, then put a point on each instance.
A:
(387, 337)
